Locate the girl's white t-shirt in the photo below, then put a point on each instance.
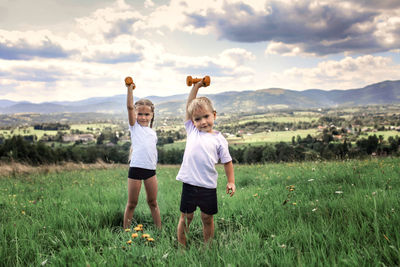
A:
(144, 151)
(202, 152)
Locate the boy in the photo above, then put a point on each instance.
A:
(204, 147)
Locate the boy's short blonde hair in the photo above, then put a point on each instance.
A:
(200, 103)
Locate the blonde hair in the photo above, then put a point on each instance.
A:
(146, 102)
(199, 103)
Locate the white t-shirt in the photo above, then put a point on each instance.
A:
(144, 151)
(202, 152)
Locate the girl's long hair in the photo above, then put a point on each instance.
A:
(143, 102)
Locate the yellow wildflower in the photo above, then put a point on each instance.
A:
(150, 239)
(134, 235)
(127, 230)
(145, 235)
(137, 229)
(129, 242)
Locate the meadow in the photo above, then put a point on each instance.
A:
(340, 213)
(29, 130)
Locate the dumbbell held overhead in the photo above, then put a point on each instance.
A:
(190, 81)
(129, 81)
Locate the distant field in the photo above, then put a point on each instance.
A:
(272, 137)
(256, 139)
(385, 134)
(280, 119)
(40, 133)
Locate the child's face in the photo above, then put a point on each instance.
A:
(203, 119)
(144, 115)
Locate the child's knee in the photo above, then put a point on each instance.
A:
(207, 219)
(186, 217)
(152, 203)
(131, 205)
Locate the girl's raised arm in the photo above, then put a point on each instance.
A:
(130, 104)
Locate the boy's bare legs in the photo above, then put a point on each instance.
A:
(133, 196)
(151, 187)
(183, 227)
(208, 226)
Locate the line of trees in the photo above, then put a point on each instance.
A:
(300, 149)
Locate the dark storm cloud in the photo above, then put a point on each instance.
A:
(322, 29)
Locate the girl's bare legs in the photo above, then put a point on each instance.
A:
(151, 187)
(183, 227)
(208, 226)
(133, 196)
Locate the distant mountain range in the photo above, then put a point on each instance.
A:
(387, 92)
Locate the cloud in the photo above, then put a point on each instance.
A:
(313, 27)
(229, 63)
(110, 22)
(16, 45)
(347, 73)
(148, 4)
(122, 49)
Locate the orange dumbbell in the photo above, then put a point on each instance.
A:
(206, 80)
(129, 81)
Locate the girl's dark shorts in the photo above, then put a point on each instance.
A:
(140, 173)
(193, 196)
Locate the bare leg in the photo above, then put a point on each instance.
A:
(208, 226)
(183, 227)
(151, 187)
(133, 196)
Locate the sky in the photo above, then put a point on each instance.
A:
(68, 50)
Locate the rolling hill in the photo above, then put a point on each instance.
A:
(387, 92)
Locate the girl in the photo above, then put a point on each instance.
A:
(143, 158)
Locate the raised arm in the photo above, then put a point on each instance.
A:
(130, 104)
(192, 95)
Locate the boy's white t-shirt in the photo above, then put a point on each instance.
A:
(202, 152)
(144, 151)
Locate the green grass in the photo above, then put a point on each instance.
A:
(256, 139)
(339, 214)
(385, 134)
(279, 119)
(95, 127)
(272, 137)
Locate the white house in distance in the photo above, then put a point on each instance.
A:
(78, 137)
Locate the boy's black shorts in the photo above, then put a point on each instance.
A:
(193, 196)
(140, 173)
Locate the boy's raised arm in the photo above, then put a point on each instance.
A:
(192, 95)
(129, 104)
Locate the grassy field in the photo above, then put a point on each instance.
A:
(385, 134)
(256, 139)
(335, 214)
(95, 127)
(280, 119)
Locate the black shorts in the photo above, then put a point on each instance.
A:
(140, 173)
(193, 196)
